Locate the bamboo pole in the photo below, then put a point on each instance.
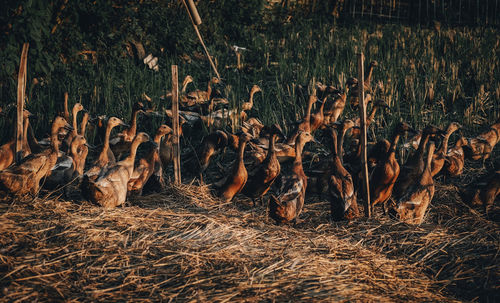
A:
(175, 125)
(362, 116)
(21, 93)
(196, 20)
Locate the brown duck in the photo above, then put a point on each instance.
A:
(387, 170)
(411, 207)
(455, 159)
(288, 205)
(8, 150)
(24, 178)
(262, 177)
(69, 167)
(149, 166)
(121, 143)
(101, 164)
(439, 156)
(480, 148)
(305, 124)
(415, 164)
(235, 182)
(343, 201)
(110, 189)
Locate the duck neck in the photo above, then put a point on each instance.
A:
(339, 145)
(250, 99)
(209, 89)
(297, 163)
(336, 145)
(83, 126)
(66, 110)
(184, 87)
(271, 152)
(75, 126)
(241, 150)
(157, 138)
(74, 156)
(133, 122)
(444, 146)
(421, 146)
(369, 76)
(372, 115)
(26, 123)
(392, 149)
(307, 117)
(428, 163)
(105, 146)
(133, 151)
(54, 140)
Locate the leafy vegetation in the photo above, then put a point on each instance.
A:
(427, 75)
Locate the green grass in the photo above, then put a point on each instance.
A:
(461, 64)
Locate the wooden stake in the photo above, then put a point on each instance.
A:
(175, 125)
(21, 91)
(362, 115)
(195, 22)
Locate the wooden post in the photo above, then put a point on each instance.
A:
(21, 91)
(175, 125)
(362, 116)
(196, 20)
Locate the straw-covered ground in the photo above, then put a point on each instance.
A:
(184, 245)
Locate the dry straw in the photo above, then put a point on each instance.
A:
(183, 245)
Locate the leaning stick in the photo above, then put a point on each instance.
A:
(196, 20)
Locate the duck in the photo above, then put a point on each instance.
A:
(262, 177)
(411, 206)
(121, 143)
(305, 124)
(319, 177)
(413, 142)
(335, 108)
(8, 150)
(439, 156)
(100, 165)
(415, 163)
(68, 167)
(318, 116)
(167, 149)
(110, 189)
(198, 97)
(483, 192)
(253, 126)
(343, 201)
(246, 106)
(289, 202)
(149, 167)
(24, 178)
(188, 79)
(480, 147)
(232, 185)
(210, 145)
(222, 117)
(455, 158)
(354, 98)
(387, 170)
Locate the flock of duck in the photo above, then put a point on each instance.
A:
(266, 161)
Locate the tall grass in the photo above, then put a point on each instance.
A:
(426, 76)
